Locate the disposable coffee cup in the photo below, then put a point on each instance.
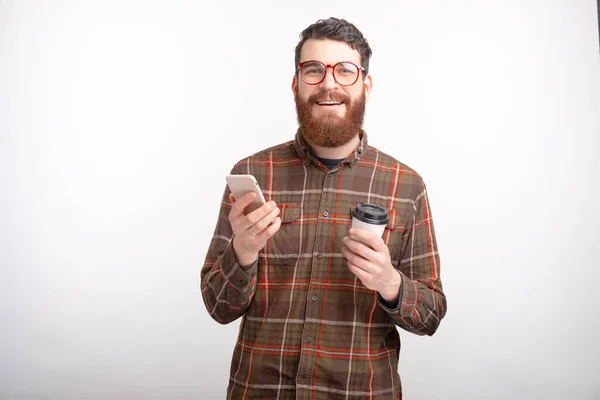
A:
(370, 217)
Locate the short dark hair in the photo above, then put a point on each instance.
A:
(336, 29)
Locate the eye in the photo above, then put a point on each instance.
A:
(313, 69)
(345, 69)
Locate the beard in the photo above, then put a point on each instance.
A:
(330, 130)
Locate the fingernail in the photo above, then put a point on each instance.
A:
(272, 204)
(345, 239)
(351, 231)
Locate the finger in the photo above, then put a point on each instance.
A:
(358, 261)
(234, 213)
(244, 201)
(237, 210)
(361, 249)
(360, 273)
(265, 221)
(369, 238)
(257, 215)
(271, 230)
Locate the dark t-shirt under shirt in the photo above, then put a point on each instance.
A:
(330, 163)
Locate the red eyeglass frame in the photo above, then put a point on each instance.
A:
(332, 71)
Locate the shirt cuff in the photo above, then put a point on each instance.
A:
(237, 276)
(385, 305)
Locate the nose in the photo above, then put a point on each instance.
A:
(328, 82)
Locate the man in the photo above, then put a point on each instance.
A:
(320, 302)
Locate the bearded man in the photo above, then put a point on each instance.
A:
(321, 302)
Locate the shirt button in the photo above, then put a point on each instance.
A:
(243, 283)
(308, 339)
(302, 381)
(325, 213)
(319, 256)
(314, 297)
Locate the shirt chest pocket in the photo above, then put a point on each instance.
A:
(393, 234)
(284, 247)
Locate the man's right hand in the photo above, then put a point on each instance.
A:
(252, 231)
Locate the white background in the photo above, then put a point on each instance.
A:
(120, 119)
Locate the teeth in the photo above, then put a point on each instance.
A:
(330, 102)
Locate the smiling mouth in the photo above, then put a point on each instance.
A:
(329, 103)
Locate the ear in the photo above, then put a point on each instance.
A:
(295, 85)
(368, 86)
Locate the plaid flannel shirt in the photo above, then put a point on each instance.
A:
(310, 329)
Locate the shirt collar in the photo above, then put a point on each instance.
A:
(306, 154)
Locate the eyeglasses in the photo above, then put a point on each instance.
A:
(345, 73)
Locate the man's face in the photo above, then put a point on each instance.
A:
(326, 124)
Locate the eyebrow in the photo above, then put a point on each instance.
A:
(343, 61)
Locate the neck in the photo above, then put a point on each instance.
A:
(336, 153)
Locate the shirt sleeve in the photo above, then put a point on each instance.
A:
(227, 288)
(422, 302)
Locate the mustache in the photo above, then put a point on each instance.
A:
(328, 95)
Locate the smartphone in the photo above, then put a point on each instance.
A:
(242, 184)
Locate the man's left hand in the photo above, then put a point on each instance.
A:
(369, 259)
